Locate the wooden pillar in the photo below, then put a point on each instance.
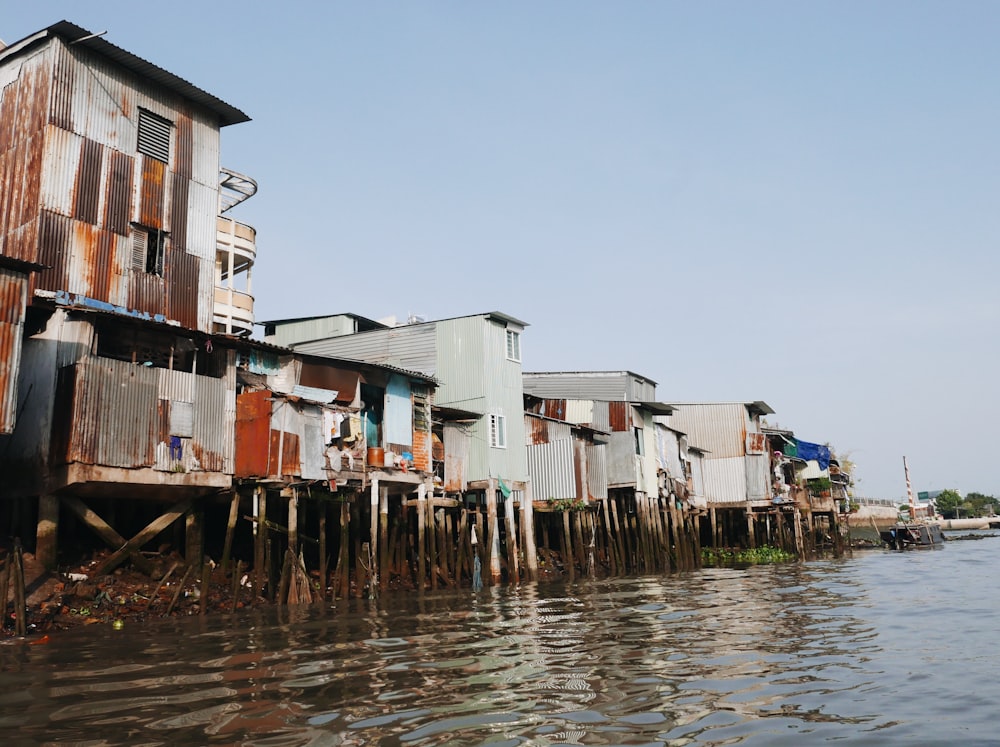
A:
(569, 556)
(430, 533)
(751, 534)
(344, 552)
(373, 535)
(47, 533)
(234, 515)
(494, 533)
(323, 507)
(194, 536)
(799, 545)
(293, 523)
(383, 537)
(528, 532)
(260, 536)
(610, 534)
(513, 569)
(421, 524)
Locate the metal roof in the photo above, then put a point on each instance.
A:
(757, 406)
(78, 36)
(621, 372)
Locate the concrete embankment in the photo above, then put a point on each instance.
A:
(967, 524)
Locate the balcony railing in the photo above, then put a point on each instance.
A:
(236, 250)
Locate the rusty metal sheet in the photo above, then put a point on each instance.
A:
(253, 418)
(284, 448)
(13, 294)
(146, 292)
(554, 408)
(179, 212)
(182, 275)
(118, 191)
(620, 416)
(87, 191)
(151, 193)
(183, 148)
(55, 234)
(329, 376)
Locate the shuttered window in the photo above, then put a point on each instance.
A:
(148, 246)
(154, 136)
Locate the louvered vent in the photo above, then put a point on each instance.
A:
(154, 136)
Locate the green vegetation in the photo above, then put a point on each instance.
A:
(566, 504)
(951, 505)
(764, 554)
(818, 486)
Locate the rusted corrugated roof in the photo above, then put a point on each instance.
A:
(74, 34)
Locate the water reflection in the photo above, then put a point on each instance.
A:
(766, 655)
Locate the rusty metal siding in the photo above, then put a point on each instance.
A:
(179, 213)
(118, 203)
(725, 480)
(422, 450)
(620, 416)
(253, 418)
(456, 454)
(87, 197)
(183, 270)
(212, 434)
(55, 235)
(146, 292)
(621, 460)
(552, 470)
(151, 193)
(13, 296)
(597, 471)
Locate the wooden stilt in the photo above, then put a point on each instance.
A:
(494, 533)
(513, 569)
(293, 522)
(431, 536)
(421, 539)
(234, 514)
(47, 533)
(383, 537)
(260, 539)
(103, 530)
(194, 536)
(528, 533)
(371, 556)
(343, 584)
(323, 508)
(20, 609)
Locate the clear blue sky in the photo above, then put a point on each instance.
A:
(787, 201)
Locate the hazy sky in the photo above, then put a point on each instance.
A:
(795, 202)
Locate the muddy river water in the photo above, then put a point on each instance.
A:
(878, 648)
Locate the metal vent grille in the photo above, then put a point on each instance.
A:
(154, 136)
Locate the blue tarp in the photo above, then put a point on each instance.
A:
(814, 452)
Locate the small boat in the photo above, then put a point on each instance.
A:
(911, 533)
(902, 536)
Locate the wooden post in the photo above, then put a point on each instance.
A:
(234, 514)
(373, 499)
(494, 533)
(194, 536)
(430, 534)
(609, 531)
(383, 537)
(343, 573)
(293, 522)
(528, 532)
(47, 533)
(421, 540)
(513, 569)
(715, 528)
(20, 609)
(799, 546)
(751, 534)
(260, 539)
(569, 556)
(323, 565)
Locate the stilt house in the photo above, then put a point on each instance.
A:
(110, 182)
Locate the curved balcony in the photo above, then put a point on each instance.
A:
(236, 250)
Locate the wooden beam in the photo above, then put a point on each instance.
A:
(104, 530)
(145, 535)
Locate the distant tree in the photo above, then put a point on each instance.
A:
(947, 503)
(981, 505)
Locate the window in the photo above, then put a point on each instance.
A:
(513, 345)
(148, 245)
(640, 449)
(154, 136)
(498, 431)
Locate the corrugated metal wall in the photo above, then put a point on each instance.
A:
(551, 466)
(121, 417)
(609, 386)
(71, 182)
(411, 347)
(597, 471)
(621, 460)
(13, 295)
(719, 428)
(725, 480)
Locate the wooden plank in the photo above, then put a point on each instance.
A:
(104, 530)
(145, 535)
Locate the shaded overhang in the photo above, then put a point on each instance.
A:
(657, 408)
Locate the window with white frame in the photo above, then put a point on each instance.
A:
(513, 345)
(498, 431)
